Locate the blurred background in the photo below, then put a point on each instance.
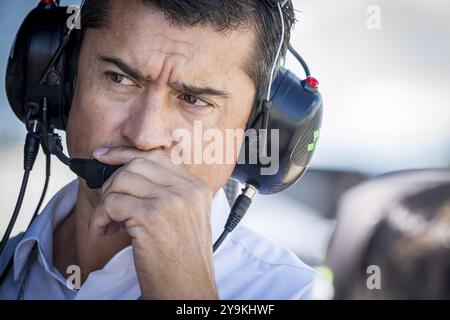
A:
(384, 72)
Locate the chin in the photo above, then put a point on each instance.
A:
(93, 196)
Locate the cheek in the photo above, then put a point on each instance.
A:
(91, 122)
(80, 128)
(74, 134)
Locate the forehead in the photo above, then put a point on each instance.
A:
(142, 36)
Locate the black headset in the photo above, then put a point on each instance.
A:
(40, 82)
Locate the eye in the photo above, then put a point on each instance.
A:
(119, 79)
(192, 100)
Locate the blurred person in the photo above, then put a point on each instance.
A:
(392, 240)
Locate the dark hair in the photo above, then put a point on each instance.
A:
(392, 239)
(411, 246)
(221, 15)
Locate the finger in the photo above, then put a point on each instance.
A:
(123, 155)
(133, 184)
(117, 155)
(113, 208)
(150, 170)
(157, 173)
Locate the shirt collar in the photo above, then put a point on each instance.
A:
(57, 209)
(41, 230)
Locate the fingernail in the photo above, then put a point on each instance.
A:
(101, 151)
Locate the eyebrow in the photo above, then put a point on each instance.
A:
(182, 87)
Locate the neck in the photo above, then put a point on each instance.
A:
(72, 245)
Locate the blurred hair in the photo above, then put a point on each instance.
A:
(401, 225)
(223, 16)
(411, 245)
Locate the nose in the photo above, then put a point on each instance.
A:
(149, 123)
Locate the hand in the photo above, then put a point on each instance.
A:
(166, 212)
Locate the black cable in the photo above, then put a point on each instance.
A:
(44, 190)
(220, 240)
(15, 214)
(36, 212)
(238, 210)
(6, 271)
(31, 150)
(300, 59)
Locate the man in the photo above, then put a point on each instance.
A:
(146, 69)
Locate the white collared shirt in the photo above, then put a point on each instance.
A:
(247, 266)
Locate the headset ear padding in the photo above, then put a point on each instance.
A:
(37, 41)
(72, 54)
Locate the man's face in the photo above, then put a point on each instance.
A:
(138, 81)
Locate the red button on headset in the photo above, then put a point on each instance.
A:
(311, 83)
(47, 1)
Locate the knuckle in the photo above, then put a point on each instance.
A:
(110, 200)
(137, 163)
(156, 201)
(107, 188)
(141, 211)
(122, 177)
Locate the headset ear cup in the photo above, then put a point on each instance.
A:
(15, 81)
(294, 119)
(72, 54)
(259, 100)
(37, 41)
